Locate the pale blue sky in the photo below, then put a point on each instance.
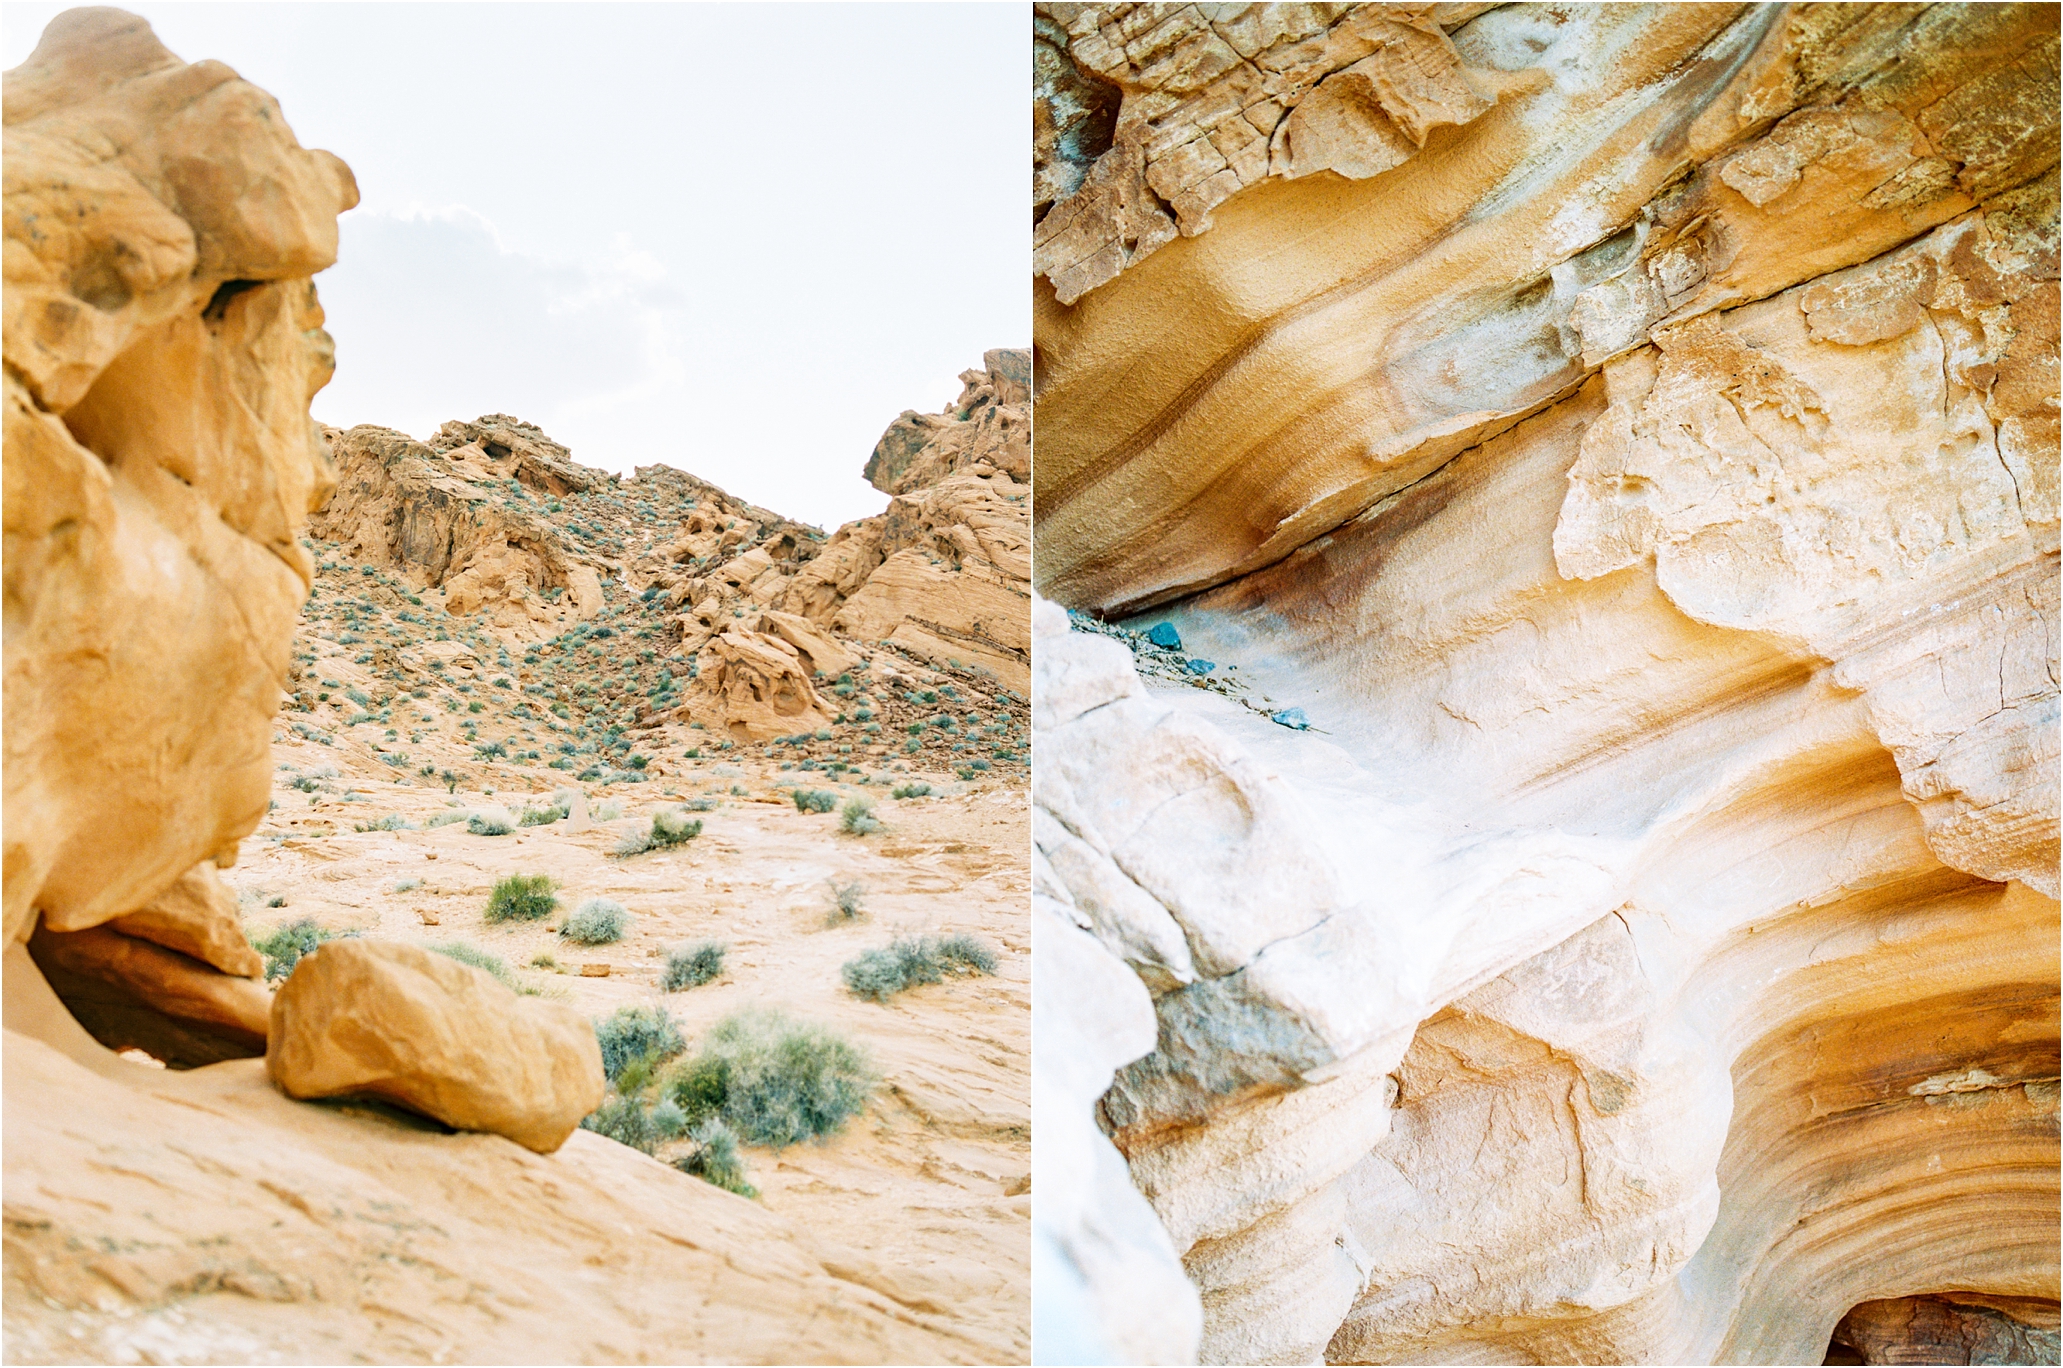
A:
(735, 238)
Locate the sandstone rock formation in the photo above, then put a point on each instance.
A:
(1600, 903)
(162, 342)
(163, 339)
(363, 1018)
(496, 526)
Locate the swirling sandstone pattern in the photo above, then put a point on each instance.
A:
(1645, 489)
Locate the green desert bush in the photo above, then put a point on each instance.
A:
(543, 816)
(640, 1035)
(627, 1121)
(908, 961)
(814, 800)
(445, 819)
(598, 921)
(857, 817)
(673, 828)
(488, 824)
(522, 897)
(691, 966)
(714, 1158)
(773, 1080)
(910, 791)
(965, 954)
(284, 945)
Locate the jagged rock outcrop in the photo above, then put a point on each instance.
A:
(163, 339)
(445, 514)
(499, 527)
(1600, 906)
(945, 573)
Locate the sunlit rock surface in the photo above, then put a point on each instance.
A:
(1587, 812)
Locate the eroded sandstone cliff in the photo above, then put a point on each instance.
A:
(1599, 904)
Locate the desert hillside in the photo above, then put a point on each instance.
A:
(462, 905)
(1547, 805)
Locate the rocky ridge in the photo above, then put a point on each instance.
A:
(1598, 902)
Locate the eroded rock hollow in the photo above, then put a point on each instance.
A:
(1550, 786)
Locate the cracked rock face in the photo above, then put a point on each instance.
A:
(1586, 810)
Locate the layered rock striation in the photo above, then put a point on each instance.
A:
(1600, 903)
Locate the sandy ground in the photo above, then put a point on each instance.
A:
(926, 1196)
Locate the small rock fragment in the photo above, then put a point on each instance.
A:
(1163, 634)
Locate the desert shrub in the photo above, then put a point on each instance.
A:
(445, 819)
(407, 885)
(847, 900)
(283, 946)
(393, 821)
(492, 964)
(667, 1118)
(627, 1121)
(543, 816)
(715, 1158)
(598, 921)
(910, 791)
(488, 824)
(908, 961)
(546, 960)
(814, 800)
(636, 843)
(609, 811)
(773, 1080)
(671, 829)
(640, 1034)
(522, 897)
(857, 817)
(691, 966)
(962, 953)
(874, 974)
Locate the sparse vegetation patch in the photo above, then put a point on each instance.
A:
(774, 1080)
(691, 966)
(908, 961)
(522, 897)
(598, 921)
